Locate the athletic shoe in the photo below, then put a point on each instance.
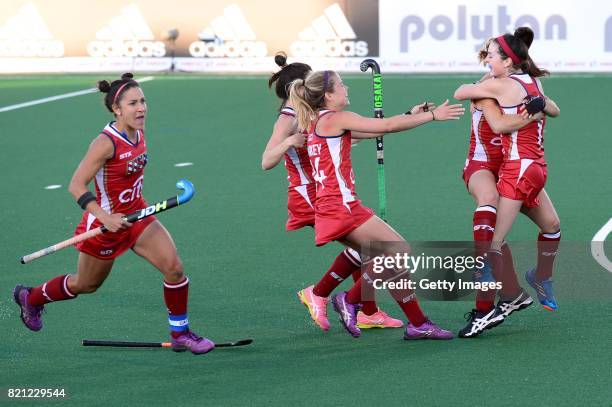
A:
(194, 343)
(479, 321)
(379, 319)
(30, 314)
(505, 308)
(317, 306)
(428, 330)
(347, 313)
(544, 290)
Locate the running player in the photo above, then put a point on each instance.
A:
(115, 161)
(523, 172)
(319, 102)
(286, 142)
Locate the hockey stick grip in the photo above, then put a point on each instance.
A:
(188, 191)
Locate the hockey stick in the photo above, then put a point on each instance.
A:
(120, 344)
(378, 113)
(185, 196)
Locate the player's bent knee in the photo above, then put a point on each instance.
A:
(552, 226)
(173, 270)
(488, 198)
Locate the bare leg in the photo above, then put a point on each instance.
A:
(91, 273)
(156, 245)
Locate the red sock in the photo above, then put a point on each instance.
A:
(503, 271)
(175, 296)
(353, 296)
(368, 296)
(548, 244)
(345, 264)
(483, 221)
(53, 290)
(407, 301)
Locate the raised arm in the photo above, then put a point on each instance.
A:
(481, 90)
(503, 123)
(280, 141)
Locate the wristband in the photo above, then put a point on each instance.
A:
(86, 198)
(433, 115)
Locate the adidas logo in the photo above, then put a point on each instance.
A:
(127, 35)
(329, 35)
(26, 35)
(229, 35)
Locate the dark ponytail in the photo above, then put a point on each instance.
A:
(519, 44)
(111, 89)
(286, 75)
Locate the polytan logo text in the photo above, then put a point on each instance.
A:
(26, 35)
(127, 35)
(479, 27)
(329, 35)
(229, 35)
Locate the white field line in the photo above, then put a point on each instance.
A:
(59, 97)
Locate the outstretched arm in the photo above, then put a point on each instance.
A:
(364, 127)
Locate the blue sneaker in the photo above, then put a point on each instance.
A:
(544, 290)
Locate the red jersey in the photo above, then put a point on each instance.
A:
(528, 142)
(296, 161)
(298, 173)
(485, 145)
(330, 158)
(118, 189)
(119, 181)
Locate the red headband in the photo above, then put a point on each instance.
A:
(118, 92)
(502, 43)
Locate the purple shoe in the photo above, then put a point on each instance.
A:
(428, 330)
(194, 343)
(347, 313)
(30, 314)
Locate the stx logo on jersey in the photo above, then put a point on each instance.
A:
(484, 227)
(128, 195)
(137, 164)
(125, 155)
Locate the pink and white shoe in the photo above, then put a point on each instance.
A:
(317, 306)
(380, 319)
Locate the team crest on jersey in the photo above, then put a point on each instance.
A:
(137, 164)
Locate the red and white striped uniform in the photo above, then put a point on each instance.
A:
(523, 173)
(301, 190)
(527, 142)
(485, 152)
(338, 210)
(485, 145)
(118, 186)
